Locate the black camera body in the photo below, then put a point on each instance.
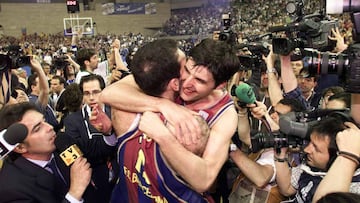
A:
(13, 59)
(227, 35)
(306, 31)
(251, 52)
(295, 128)
(311, 32)
(60, 62)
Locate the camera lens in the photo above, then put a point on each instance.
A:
(325, 63)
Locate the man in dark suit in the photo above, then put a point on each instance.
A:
(25, 175)
(98, 148)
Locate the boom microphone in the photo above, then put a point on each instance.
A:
(69, 150)
(11, 137)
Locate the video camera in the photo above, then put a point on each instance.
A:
(353, 52)
(14, 58)
(295, 128)
(60, 62)
(306, 31)
(252, 50)
(227, 35)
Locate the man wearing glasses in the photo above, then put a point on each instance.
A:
(98, 148)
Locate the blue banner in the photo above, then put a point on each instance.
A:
(128, 8)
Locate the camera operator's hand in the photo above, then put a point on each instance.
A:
(340, 43)
(348, 140)
(35, 65)
(116, 44)
(259, 110)
(270, 59)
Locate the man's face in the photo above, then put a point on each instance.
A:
(196, 82)
(264, 80)
(91, 92)
(70, 69)
(56, 86)
(317, 151)
(297, 66)
(306, 84)
(36, 87)
(46, 69)
(39, 143)
(93, 63)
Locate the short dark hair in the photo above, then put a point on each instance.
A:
(329, 127)
(342, 96)
(91, 77)
(332, 89)
(340, 197)
(72, 97)
(60, 78)
(218, 56)
(155, 64)
(31, 81)
(13, 113)
(83, 55)
(294, 104)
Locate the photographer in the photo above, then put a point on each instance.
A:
(347, 141)
(258, 168)
(321, 152)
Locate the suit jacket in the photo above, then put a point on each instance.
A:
(95, 149)
(23, 181)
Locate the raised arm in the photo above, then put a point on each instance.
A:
(274, 88)
(43, 82)
(287, 74)
(118, 60)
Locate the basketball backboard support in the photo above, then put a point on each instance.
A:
(75, 23)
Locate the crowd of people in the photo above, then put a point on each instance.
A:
(132, 118)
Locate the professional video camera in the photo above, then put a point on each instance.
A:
(306, 31)
(295, 129)
(227, 34)
(60, 62)
(252, 50)
(13, 59)
(353, 72)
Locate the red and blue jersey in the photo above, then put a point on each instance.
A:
(146, 177)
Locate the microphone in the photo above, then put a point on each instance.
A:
(244, 93)
(11, 137)
(69, 150)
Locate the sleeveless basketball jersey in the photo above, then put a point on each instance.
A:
(213, 113)
(146, 177)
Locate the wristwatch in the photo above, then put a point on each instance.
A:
(272, 70)
(232, 147)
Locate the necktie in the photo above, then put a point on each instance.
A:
(55, 170)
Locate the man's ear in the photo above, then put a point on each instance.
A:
(175, 84)
(86, 62)
(221, 86)
(21, 149)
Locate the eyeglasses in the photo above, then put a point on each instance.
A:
(93, 93)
